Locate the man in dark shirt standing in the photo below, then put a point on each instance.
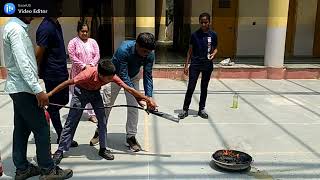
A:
(128, 59)
(52, 63)
(202, 50)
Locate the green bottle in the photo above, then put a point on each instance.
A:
(235, 101)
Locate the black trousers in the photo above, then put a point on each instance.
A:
(61, 97)
(194, 73)
(28, 117)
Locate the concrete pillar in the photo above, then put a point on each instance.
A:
(276, 38)
(145, 16)
(161, 19)
(119, 26)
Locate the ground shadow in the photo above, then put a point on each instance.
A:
(8, 168)
(191, 112)
(219, 169)
(86, 150)
(84, 117)
(116, 141)
(53, 138)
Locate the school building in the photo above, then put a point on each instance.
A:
(261, 35)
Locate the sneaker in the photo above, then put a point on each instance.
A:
(57, 157)
(31, 171)
(203, 114)
(93, 119)
(57, 173)
(106, 154)
(74, 144)
(95, 139)
(183, 114)
(133, 144)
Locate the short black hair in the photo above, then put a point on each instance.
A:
(204, 15)
(106, 67)
(146, 40)
(82, 23)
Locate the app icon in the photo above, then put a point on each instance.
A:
(9, 8)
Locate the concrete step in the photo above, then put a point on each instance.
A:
(238, 71)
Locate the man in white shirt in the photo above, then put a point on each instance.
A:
(28, 102)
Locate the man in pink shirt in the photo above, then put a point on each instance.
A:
(87, 90)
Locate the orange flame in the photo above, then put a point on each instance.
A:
(230, 153)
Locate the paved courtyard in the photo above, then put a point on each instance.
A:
(277, 123)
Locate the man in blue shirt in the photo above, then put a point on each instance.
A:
(28, 102)
(202, 50)
(52, 62)
(128, 59)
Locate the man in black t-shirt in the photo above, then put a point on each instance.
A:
(202, 50)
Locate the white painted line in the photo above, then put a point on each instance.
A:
(203, 124)
(148, 170)
(207, 152)
(146, 133)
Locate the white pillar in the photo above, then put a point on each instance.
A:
(276, 33)
(276, 38)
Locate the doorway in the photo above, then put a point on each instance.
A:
(224, 22)
(316, 42)
(291, 28)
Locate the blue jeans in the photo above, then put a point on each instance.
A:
(80, 99)
(28, 117)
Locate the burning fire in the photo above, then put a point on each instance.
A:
(230, 153)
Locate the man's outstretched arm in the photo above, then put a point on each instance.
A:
(139, 96)
(61, 86)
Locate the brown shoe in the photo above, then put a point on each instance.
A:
(106, 154)
(93, 119)
(133, 144)
(95, 138)
(31, 171)
(57, 173)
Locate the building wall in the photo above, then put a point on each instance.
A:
(119, 27)
(69, 28)
(306, 17)
(68, 24)
(251, 38)
(198, 8)
(3, 21)
(251, 30)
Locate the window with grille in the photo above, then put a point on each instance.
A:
(225, 3)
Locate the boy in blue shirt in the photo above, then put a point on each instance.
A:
(202, 50)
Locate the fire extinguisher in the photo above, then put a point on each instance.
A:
(1, 167)
(47, 115)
